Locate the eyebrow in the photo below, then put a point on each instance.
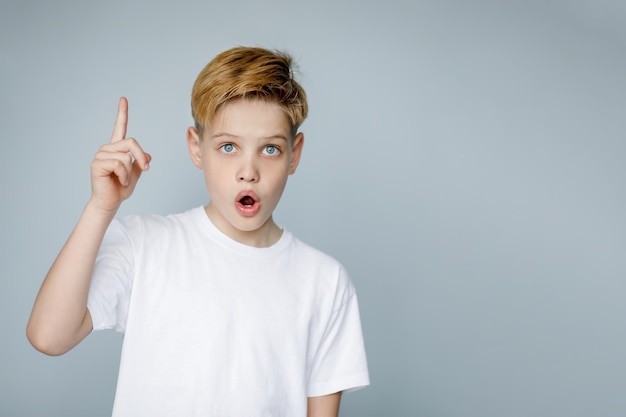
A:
(228, 135)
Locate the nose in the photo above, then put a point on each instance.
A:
(248, 171)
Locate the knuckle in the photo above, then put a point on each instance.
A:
(119, 164)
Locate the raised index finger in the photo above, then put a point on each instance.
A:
(119, 130)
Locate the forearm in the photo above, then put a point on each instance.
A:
(324, 406)
(59, 319)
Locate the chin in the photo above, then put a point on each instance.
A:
(250, 226)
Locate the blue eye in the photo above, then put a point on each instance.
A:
(228, 148)
(271, 150)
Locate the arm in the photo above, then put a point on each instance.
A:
(60, 319)
(324, 406)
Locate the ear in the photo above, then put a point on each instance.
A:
(194, 147)
(296, 152)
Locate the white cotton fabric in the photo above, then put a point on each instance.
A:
(216, 328)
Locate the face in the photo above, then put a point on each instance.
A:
(247, 154)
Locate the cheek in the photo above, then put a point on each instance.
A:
(215, 167)
(278, 184)
(277, 177)
(215, 180)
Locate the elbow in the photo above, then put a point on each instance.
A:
(42, 341)
(53, 338)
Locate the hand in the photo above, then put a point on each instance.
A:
(117, 166)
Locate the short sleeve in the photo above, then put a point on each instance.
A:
(111, 282)
(340, 363)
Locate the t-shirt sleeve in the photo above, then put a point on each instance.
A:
(111, 282)
(340, 363)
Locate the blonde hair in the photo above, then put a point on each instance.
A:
(248, 72)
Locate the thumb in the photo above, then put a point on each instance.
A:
(138, 170)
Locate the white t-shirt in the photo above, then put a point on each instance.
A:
(213, 327)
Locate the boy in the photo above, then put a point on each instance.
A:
(223, 312)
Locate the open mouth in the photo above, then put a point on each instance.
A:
(247, 198)
(247, 201)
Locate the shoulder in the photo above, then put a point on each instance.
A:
(310, 254)
(148, 229)
(326, 270)
(145, 222)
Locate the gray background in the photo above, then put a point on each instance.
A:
(464, 160)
